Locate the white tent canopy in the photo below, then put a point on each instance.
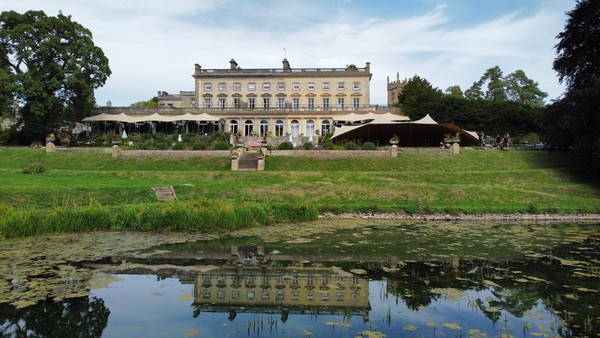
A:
(122, 117)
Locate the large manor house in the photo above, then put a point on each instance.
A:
(265, 101)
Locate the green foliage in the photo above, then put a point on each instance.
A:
(308, 146)
(36, 167)
(350, 145)
(285, 146)
(515, 87)
(179, 146)
(368, 146)
(328, 145)
(153, 102)
(531, 138)
(221, 146)
(416, 93)
(51, 65)
(572, 123)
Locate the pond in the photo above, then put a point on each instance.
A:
(331, 278)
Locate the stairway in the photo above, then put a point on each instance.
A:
(164, 193)
(248, 161)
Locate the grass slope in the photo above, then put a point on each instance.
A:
(473, 182)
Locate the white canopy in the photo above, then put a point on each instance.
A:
(122, 117)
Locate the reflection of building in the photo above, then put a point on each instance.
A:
(250, 279)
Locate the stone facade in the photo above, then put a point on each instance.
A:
(394, 89)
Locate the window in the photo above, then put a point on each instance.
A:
(222, 86)
(265, 294)
(251, 86)
(251, 103)
(295, 129)
(355, 280)
(341, 103)
(356, 103)
(280, 279)
(325, 277)
(266, 103)
(296, 86)
(295, 278)
(295, 295)
(266, 86)
(221, 279)
(311, 86)
(207, 278)
(311, 103)
(339, 297)
(356, 86)
(248, 128)
(207, 87)
(207, 103)
(237, 86)
(233, 128)
(325, 85)
(281, 103)
(355, 297)
(325, 103)
(206, 294)
(280, 86)
(326, 128)
(309, 280)
(325, 296)
(235, 294)
(265, 277)
(279, 128)
(250, 295)
(280, 295)
(310, 296)
(296, 102)
(310, 132)
(221, 294)
(264, 128)
(193, 101)
(237, 103)
(341, 86)
(222, 103)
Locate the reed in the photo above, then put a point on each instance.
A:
(172, 216)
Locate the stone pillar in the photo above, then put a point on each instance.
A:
(260, 165)
(50, 147)
(455, 149)
(394, 151)
(235, 164)
(116, 152)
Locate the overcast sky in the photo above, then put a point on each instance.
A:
(153, 45)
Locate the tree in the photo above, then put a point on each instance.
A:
(515, 87)
(50, 67)
(153, 102)
(573, 122)
(454, 91)
(415, 95)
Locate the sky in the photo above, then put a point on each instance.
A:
(152, 45)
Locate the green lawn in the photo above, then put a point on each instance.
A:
(475, 181)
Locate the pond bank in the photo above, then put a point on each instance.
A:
(465, 217)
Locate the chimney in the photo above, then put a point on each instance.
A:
(233, 64)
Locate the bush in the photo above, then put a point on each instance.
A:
(368, 146)
(350, 145)
(221, 146)
(179, 146)
(285, 146)
(308, 146)
(328, 145)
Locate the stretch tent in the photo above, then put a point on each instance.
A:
(425, 132)
(122, 117)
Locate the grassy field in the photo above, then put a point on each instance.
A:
(475, 181)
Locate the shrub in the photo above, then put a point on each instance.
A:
(221, 146)
(350, 145)
(285, 146)
(328, 145)
(179, 146)
(308, 146)
(368, 146)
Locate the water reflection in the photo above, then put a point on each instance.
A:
(372, 281)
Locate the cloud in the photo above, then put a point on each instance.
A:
(154, 45)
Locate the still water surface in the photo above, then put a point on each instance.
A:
(336, 279)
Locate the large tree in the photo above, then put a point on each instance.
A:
(416, 94)
(49, 68)
(573, 122)
(516, 87)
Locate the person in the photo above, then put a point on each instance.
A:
(505, 141)
(480, 135)
(498, 141)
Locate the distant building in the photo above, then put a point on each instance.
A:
(394, 89)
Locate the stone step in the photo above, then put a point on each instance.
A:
(248, 161)
(164, 193)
